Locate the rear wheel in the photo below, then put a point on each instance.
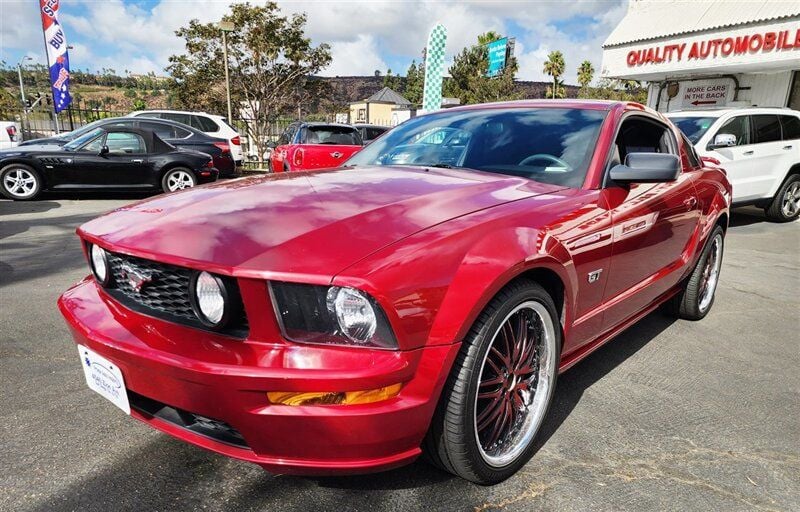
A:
(785, 205)
(178, 178)
(697, 297)
(20, 182)
(500, 388)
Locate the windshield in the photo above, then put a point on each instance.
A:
(83, 139)
(551, 145)
(693, 127)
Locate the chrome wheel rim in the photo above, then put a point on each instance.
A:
(791, 200)
(179, 180)
(710, 273)
(515, 384)
(19, 183)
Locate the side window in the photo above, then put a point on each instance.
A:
(94, 146)
(691, 154)
(180, 118)
(737, 126)
(205, 124)
(791, 127)
(122, 143)
(164, 131)
(286, 136)
(642, 135)
(766, 128)
(180, 133)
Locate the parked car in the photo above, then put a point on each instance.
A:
(395, 308)
(210, 124)
(103, 158)
(9, 134)
(759, 148)
(370, 132)
(177, 134)
(306, 146)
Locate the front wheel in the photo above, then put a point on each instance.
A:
(785, 205)
(20, 182)
(697, 296)
(178, 179)
(500, 387)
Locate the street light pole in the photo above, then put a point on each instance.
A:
(21, 86)
(225, 27)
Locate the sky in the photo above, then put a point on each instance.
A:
(139, 35)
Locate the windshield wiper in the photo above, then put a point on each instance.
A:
(440, 165)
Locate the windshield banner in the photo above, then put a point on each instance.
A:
(57, 56)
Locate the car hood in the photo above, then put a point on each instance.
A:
(49, 141)
(307, 225)
(33, 148)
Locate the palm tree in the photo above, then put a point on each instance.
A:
(559, 93)
(585, 74)
(554, 66)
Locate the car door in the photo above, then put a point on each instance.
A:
(126, 160)
(278, 155)
(653, 226)
(766, 158)
(739, 160)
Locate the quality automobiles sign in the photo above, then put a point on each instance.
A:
(754, 43)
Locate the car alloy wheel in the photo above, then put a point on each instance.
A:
(20, 183)
(790, 204)
(710, 277)
(515, 383)
(179, 179)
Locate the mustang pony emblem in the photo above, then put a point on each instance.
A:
(136, 279)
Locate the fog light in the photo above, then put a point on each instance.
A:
(334, 397)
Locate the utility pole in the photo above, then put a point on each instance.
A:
(21, 86)
(225, 27)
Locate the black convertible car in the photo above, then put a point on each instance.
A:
(103, 158)
(177, 134)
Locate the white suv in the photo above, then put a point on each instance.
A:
(759, 148)
(9, 134)
(216, 126)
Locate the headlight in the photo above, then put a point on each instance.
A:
(99, 264)
(330, 314)
(209, 299)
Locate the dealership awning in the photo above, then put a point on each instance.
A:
(649, 19)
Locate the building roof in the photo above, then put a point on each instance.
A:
(387, 95)
(655, 19)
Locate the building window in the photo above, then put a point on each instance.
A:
(794, 92)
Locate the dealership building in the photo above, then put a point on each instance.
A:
(709, 54)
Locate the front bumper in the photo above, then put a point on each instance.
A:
(227, 380)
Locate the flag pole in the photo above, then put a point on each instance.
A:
(50, 79)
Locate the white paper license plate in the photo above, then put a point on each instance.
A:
(104, 377)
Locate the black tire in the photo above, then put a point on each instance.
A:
(453, 441)
(690, 303)
(286, 167)
(777, 209)
(15, 171)
(181, 173)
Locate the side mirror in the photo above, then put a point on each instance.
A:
(723, 140)
(103, 151)
(272, 144)
(647, 168)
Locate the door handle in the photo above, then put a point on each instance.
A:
(788, 147)
(690, 202)
(137, 160)
(748, 152)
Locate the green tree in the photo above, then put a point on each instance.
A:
(415, 83)
(554, 66)
(392, 81)
(468, 80)
(628, 90)
(560, 93)
(139, 104)
(271, 62)
(585, 76)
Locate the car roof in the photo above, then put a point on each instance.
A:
(367, 125)
(322, 123)
(158, 120)
(189, 112)
(544, 103)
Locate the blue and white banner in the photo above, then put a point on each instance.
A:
(57, 56)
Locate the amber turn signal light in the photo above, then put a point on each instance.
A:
(334, 397)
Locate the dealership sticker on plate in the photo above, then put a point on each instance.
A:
(104, 377)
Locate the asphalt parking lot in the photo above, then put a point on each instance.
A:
(670, 415)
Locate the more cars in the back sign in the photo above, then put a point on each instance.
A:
(103, 158)
(306, 146)
(177, 134)
(759, 148)
(399, 307)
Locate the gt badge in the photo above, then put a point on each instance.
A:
(594, 275)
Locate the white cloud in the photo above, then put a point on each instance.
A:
(358, 57)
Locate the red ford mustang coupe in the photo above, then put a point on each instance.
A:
(423, 297)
